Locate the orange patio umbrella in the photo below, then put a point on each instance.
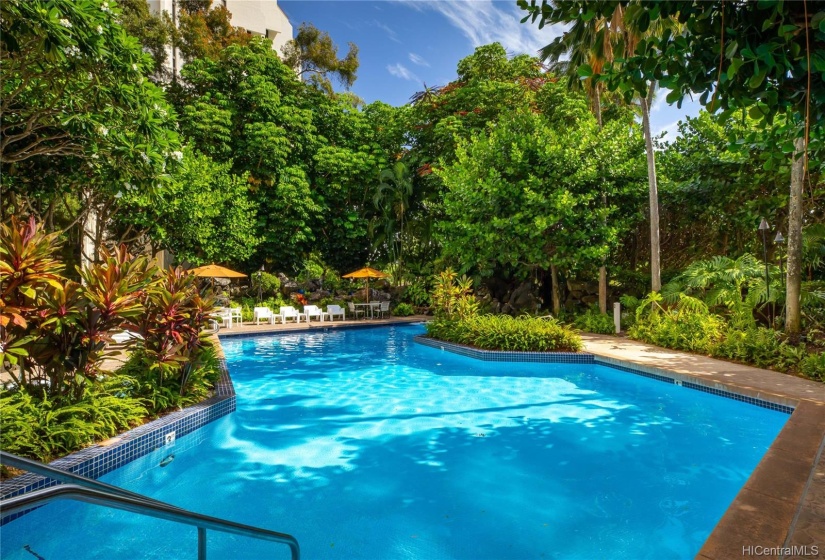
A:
(366, 273)
(215, 271)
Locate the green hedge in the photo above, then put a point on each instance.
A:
(503, 332)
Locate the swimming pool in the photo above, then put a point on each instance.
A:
(365, 444)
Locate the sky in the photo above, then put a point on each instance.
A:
(404, 44)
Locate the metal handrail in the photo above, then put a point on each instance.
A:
(95, 492)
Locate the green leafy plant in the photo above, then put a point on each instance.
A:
(594, 321)
(403, 310)
(452, 297)
(37, 426)
(813, 366)
(503, 332)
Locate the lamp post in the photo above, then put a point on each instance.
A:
(260, 285)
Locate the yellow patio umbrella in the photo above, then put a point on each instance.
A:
(215, 271)
(366, 273)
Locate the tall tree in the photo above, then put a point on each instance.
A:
(767, 58)
(80, 122)
(313, 54)
(588, 43)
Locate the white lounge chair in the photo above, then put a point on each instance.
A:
(384, 310)
(263, 314)
(334, 310)
(311, 311)
(289, 312)
(354, 310)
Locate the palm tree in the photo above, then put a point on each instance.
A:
(392, 199)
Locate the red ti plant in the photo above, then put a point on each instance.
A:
(27, 270)
(79, 319)
(176, 312)
(52, 330)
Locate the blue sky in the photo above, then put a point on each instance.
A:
(406, 43)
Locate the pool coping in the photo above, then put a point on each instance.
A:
(98, 459)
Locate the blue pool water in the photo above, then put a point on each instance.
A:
(366, 445)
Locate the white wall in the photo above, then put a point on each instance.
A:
(260, 17)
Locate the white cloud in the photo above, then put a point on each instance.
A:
(400, 71)
(415, 59)
(659, 102)
(387, 29)
(486, 21)
(671, 131)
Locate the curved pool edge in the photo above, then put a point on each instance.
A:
(96, 460)
(773, 510)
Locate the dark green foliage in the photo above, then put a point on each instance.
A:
(814, 366)
(594, 321)
(33, 425)
(689, 325)
(503, 332)
(269, 284)
(168, 395)
(403, 310)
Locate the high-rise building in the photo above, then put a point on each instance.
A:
(258, 17)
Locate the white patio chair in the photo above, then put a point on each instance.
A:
(311, 311)
(384, 310)
(355, 310)
(225, 315)
(335, 310)
(263, 314)
(237, 314)
(289, 312)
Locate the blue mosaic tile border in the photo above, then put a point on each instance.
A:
(317, 327)
(97, 460)
(503, 356)
(685, 381)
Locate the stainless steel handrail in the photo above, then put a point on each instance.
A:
(101, 494)
(60, 475)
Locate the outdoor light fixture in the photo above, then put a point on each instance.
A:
(260, 285)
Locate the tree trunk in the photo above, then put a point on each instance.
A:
(554, 277)
(603, 268)
(795, 210)
(655, 273)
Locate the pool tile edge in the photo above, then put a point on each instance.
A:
(106, 456)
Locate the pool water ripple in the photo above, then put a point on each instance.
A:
(367, 445)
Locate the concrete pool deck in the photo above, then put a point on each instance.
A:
(782, 505)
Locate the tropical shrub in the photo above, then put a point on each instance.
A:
(503, 332)
(35, 425)
(416, 294)
(594, 321)
(689, 325)
(175, 314)
(55, 330)
(452, 297)
(403, 310)
(168, 395)
(813, 366)
(269, 283)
